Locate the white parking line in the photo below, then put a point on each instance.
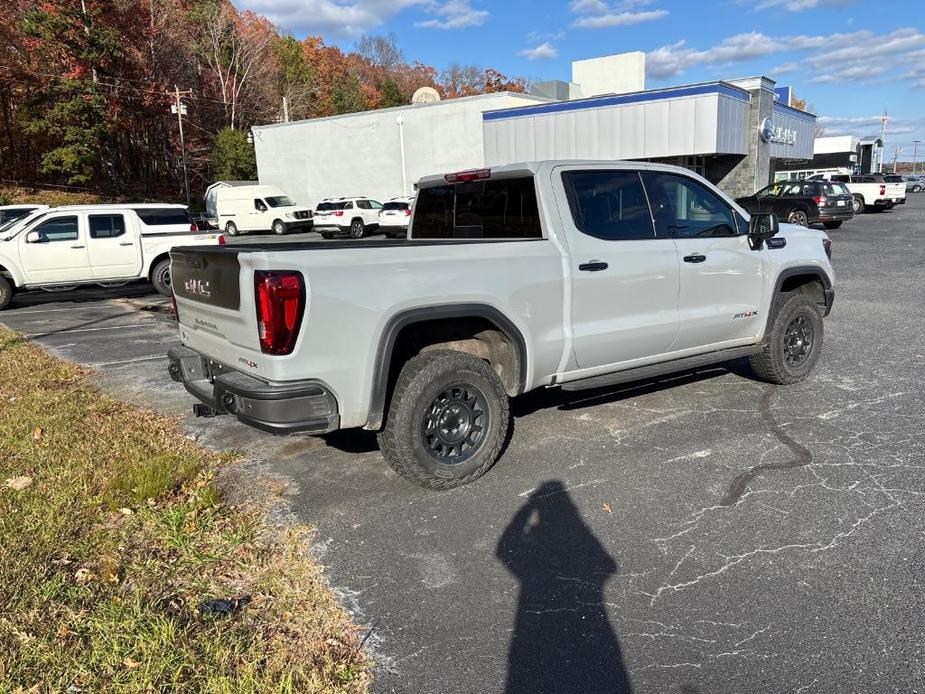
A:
(16, 312)
(51, 333)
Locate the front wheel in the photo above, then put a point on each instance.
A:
(832, 225)
(279, 228)
(231, 229)
(357, 229)
(798, 217)
(857, 204)
(793, 342)
(160, 277)
(917, 189)
(447, 420)
(6, 292)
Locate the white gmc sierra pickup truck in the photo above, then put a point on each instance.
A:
(557, 273)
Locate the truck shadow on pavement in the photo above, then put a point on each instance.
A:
(562, 641)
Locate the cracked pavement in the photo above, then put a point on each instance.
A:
(701, 533)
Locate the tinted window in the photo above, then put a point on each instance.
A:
(500, 209)
(19, 213)
(280, 201)
(375, 204)
(842, 179)
(609, 205)
(58, 229)
(345, 206)
(324, 206)
(259, 205)
(106, 226)
(771, 191)
(683, 207)
(396, 206)
(164, 216)
(835, 188)
(364, 204)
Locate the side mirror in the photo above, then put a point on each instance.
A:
(34, 237)
(761, 227)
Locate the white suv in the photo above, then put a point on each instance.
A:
(347, 216)
(395, 216)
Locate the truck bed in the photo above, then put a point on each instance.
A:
(272, 246)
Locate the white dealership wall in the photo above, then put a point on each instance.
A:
(370, 153)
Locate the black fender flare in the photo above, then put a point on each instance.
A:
(808, 270)
(403, 319)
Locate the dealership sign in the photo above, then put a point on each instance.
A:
(768, 132)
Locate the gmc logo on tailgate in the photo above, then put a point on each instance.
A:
(197, 287)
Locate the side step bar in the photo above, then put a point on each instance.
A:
(640, 373)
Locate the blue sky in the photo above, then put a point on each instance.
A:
(850, 59)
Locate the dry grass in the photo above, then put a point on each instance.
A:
(112, 534)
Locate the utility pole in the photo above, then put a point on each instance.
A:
(883, 123)
(896, 156)
(180, 108)
(285, 109)
(915, 151)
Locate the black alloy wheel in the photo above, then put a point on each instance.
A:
(453, 425)
(798, 341)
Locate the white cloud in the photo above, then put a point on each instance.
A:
(337, 17)
(801, 5)
(453, 14)
(597, 14)
(542, 52)
(856, 57)
(865, 126)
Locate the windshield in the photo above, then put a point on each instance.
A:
(280, 201)
(16, 225)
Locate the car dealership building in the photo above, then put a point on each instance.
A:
(731, 132)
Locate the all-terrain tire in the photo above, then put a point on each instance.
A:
(160, 277)
(6, 292)
(796, 314)
(418, 400)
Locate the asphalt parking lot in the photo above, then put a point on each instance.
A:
(700, 533)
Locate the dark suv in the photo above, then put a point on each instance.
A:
(803, 202)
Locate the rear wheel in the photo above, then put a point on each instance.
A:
(160, 277)
(917, 189)
(832, 225)
(279, 228)
(6, 292)
(357, 229)
(231, 229)
(798, 217)
(857, 204)
(447, 420)
(793, 342)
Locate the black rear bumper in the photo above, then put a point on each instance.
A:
(297, 407)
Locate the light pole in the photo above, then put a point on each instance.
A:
(915, 149)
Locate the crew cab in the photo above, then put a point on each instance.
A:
(869, 191)
(94, 244)
(567, 274)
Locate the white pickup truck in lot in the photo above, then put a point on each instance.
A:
(870, 191)
(94, 244)
(568, 274)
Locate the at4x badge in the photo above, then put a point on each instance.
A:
(745, 314)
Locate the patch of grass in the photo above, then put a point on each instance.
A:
(112, 533)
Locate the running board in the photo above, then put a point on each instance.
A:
(640, 373)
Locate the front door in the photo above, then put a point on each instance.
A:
(59, 255)
(113, 247)
(721, 277)
(624, 278)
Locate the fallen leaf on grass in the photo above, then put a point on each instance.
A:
(37, 434)
(126, 511)
(18, 483)
(130, 663)
(83, 575)
(606, 507)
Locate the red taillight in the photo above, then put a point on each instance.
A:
(221, 239)
(338, 213)
(883, 190)
(820, 201)
(466, 176)
(280, 303)
(193, 226)
(407, 211)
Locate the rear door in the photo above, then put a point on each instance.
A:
(624, 278)
(60, 254)
(113, 246)
(721, 278)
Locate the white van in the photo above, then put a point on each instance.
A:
(243, 209)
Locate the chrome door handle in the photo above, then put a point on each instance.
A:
(78, 246)
(126, 243)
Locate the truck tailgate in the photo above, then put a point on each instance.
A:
(213, 313)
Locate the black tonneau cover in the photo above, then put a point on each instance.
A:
(235, 248)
